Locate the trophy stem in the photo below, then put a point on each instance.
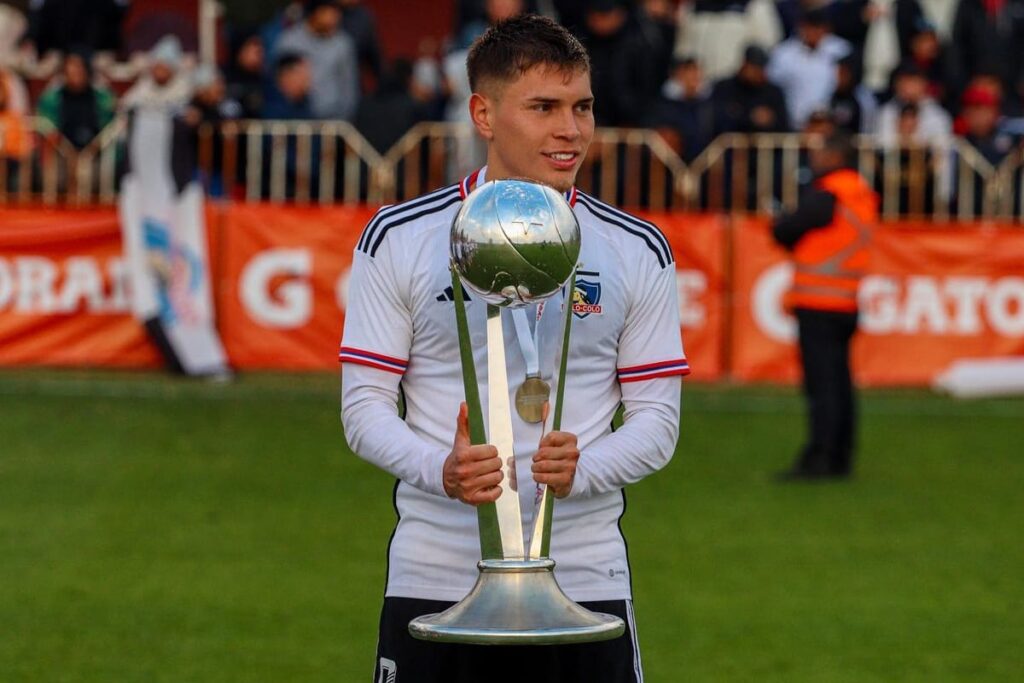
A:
(540, 540)
(487, 513)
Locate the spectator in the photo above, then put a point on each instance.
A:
(625, 58)
(804, 66)
(57, 25)
(748, 102)
(982, 127)
(76, 106)
(716, 32)
(853, 106)
(988, 35)
(929, 55)
(360, 24)
(290, 16)
(908, 124)
(165, 85)
(293, 77)
(684, 114)
(331, 55)
(911, 87)
(245, 75)
(209, 108)
(386, 115)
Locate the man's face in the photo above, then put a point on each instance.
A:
(911, 88)
(981, 119)
(538, 126)
(812, 34)
(325, 20)
(294, 81)
(752, 73)
(161, 73)
(76, 78)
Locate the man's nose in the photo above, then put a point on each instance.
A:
(568, 127)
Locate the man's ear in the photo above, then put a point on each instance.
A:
(481, 112)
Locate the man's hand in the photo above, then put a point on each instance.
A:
(471, 473)
(555, 462)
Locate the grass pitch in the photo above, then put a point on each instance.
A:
(162, 530)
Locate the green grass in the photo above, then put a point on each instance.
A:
(160, 530)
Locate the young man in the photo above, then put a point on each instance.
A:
(533, 106)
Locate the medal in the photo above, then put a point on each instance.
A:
(534, 392)
(531, 396)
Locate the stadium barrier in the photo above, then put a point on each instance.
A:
(280, 277)
(329, 163)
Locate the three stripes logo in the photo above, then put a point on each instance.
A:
(388, 671)
(449, 294)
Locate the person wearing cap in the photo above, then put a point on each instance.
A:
(804, 66)
(828, 237)
(910, 86)
(165, 86)
(332, 58)
(853, 105)
(747, 102)
(981, 119)
(74, 104)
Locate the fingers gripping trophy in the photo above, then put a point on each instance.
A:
(513, 243)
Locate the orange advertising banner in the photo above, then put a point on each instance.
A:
(934, 295)
(281, 281)
(698, 244)
(280, 274)
(283, 271)
(64, 299)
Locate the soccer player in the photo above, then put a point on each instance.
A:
(533, 105)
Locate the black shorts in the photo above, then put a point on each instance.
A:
(403, 659)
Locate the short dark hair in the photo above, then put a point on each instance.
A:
(841, 143)
(514, 46)
(287, 60)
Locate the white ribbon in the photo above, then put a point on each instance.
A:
(529, 342)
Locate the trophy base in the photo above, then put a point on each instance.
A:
(516, 602)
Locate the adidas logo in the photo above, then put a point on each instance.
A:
(449, 294)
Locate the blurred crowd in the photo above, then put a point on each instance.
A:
(906, 71)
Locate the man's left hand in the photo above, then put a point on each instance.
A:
(555, 462)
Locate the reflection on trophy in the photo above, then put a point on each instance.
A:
(514, 243)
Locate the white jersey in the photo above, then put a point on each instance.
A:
(400, 339)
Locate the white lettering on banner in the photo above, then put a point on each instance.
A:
(36, 279)
(767, 302)
(292, 303)
(691, 285)
(82, 282)
(1005, 306)
(956, 305)
(341, 289)
(36, 285)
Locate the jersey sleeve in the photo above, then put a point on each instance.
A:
(374, 355)
(650, 365)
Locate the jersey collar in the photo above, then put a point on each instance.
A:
(478, 177)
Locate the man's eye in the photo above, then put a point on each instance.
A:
(542, 107)
(584, 107)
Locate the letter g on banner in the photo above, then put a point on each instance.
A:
(766, 301)
(291, 302)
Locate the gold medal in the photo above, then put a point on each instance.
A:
(531, 396)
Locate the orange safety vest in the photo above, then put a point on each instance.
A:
(829, 262)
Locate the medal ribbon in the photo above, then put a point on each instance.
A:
(528, 342)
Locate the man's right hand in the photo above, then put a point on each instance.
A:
(471, 473)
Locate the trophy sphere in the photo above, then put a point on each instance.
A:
(515, 242)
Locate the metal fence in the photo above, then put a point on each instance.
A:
(307, 162)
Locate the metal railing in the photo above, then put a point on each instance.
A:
(307, 162)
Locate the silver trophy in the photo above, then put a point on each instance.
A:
(513, 243)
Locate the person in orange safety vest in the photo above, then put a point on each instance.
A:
(829, 236)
